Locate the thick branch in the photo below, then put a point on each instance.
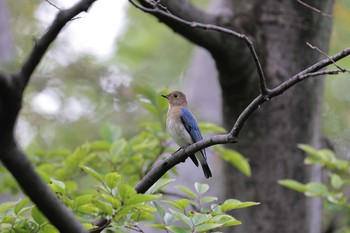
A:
(14, 159)
(156, 10)
(18, 164)
(45, 41)
(184, 10)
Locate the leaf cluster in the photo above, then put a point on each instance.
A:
(332, 189)
(96, 181)
(196, 212)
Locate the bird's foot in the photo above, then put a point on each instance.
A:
(181, 148)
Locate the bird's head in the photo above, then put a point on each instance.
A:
(176, 98)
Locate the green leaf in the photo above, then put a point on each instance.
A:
(112, 179)
(182, 217)
(169, 218)
(225, 220)
(231, 204)
(146, 144)
(236, 159)
(118, 146)
(292, 184)
(327, 155)
(186, 190)
(111, 200)
(336, 181)
(207, 227)
(137, 208)
(92, 173)
(161, 183)
(125, 191)
(88, 208)
(139, 198)
(209, 199)
(7, 206)
(20, 205)
(38, 217)
(159, 209)
(308, 149)
(200, 218)
(8, 219)
(100, 145)
(201, 188)
(158, 226)
(180, 204)
(314, 189)
(82, 200)
(103, 206)
(43, 175)
(176, 229)
(48, 229)
(57, 186)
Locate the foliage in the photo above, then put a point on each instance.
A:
(333, 189)
(195, 212)
(96, 179)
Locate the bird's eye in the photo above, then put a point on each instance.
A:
(175, 95)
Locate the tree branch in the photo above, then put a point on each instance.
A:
(232, 137)
(46, 40)
(14, 159)
(314, 8)
(155, 9)
(21, 168)
(184, 10)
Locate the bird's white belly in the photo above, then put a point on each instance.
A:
(178, 132)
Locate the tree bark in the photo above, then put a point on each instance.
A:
(271, 135)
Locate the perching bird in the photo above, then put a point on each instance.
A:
(183, 128)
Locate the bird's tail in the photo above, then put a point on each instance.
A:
(206, 170)
(194, 160)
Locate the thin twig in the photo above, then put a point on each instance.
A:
(41, 45)
(157, 10)
(314, 9)
(54, 5)
(322, 73)
(135, 228)
(326, 55)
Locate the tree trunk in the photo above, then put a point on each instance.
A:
(270, 137)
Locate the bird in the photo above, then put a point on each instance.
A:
(183, 128)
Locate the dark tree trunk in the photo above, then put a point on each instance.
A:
(271, 135)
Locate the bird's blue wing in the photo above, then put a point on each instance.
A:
(190, 125)
(192, 128)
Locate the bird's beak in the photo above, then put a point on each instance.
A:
(165, 96)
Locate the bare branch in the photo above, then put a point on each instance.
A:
(52, 4)
(314, 8)
(155, 9)
(326, 55)
(45, 41)
(184, 10)
(232, 137)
